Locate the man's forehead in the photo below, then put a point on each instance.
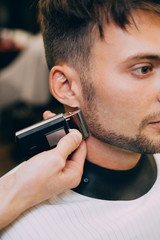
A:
(139, 25)
(139, 19)
(140, 40)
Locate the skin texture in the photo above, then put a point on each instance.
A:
(121, 94)
(126, 84)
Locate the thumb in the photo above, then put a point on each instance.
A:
(69, 143)
(73, 170)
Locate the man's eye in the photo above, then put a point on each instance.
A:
(143, 70)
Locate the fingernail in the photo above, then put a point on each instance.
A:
(77, 136)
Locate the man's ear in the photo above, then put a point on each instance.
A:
(64, 85)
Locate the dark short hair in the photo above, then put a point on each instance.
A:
(67, 25)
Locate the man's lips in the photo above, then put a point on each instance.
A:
(155, 122)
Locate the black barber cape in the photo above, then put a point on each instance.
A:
(101, 183)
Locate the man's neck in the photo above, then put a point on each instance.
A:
(110, 157)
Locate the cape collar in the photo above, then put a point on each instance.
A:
(106, 184)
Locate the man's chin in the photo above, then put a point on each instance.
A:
(140, 144)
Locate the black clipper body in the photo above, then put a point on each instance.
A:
(46, 134)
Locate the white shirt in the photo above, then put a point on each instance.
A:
(73, 216)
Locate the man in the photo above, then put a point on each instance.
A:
(104, 57)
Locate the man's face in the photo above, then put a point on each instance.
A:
(123, 107)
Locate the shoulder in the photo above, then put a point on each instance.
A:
(157, 157)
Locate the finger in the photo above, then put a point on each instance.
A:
(69, 143)
(78, 158)
(80, 154)
(48, 114)
(74, 168)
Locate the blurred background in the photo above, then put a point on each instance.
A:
(24, 88)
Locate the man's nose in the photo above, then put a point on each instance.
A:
(158, 89)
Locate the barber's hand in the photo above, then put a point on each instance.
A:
(50, 173)
(44, 175)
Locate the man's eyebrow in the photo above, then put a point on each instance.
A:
(143, 56)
